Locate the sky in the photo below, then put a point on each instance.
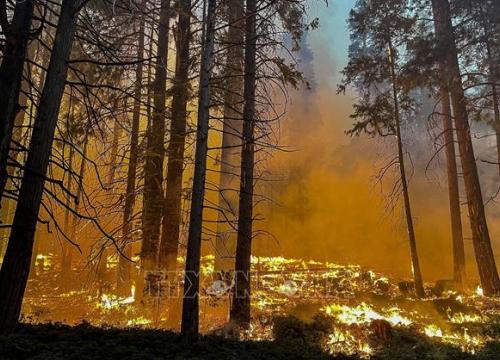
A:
(332, 38)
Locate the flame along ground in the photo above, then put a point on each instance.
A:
(347, 294)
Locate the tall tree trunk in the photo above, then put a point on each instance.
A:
(494, 94)
(9, 205)
(17, 35)
(453, 191)
(190, 308)
(153, 172)
(124, 265)
(180, 92)
(67, 212)
(117, 132)
(417, 273)
(68, 250)
(16, 266)
(225, 241)
(450, 65)
(240, 311)
(489, 31)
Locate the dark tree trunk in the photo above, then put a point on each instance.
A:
(225, 241)
(417, 273)
(9, 205)
(153, 172)
(240, 311)
(488, 22)
(180, 92)
(67, 260)
(67, 212)
(190, 308)
(117, 133)
(124, 265)
(450, 65)
(494, 94)
(16, 266)
(11, 72)
(459, 274)
(453, 191)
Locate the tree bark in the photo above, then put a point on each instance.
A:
(453, 191)
(450, 66)
(153, 172)
(17, 36)
(9, 205)
(225, 241)
(175, 167)
(240, 310)
(190, 308)
(417, 273)
(124, 265)
(16, 266)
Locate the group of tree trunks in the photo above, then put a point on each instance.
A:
(162, 209)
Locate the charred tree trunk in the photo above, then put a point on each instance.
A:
(225, 241)
(15, 269)
(153, 172)
(124, 265)
(450, 65)
(190, 308)
(453, 191)
(417, 273)
(17, 35)
(180, 92)
(240, 311)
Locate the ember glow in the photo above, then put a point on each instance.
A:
(270, 175)
(356, 299)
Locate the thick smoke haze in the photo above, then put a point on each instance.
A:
(330, 205)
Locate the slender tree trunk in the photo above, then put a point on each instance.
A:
(117, 133)
(450, 65)
(16, 266)
(75, 220)
(225, 241)
(175, 167)
(495, 98)
(489, 30)
(417, 273)
(240, 311)
(190, 308)
(453, 191)
(69, 187)
(11, 72)
(124, 265)
(153, 172)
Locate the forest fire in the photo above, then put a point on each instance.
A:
(356, 300)
(217, 179)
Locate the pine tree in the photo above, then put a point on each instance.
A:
(449, 63)
(379, 31)
(16, 266)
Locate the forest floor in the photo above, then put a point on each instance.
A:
(297, 306)
(55, 341)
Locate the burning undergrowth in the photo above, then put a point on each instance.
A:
(342, 309)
